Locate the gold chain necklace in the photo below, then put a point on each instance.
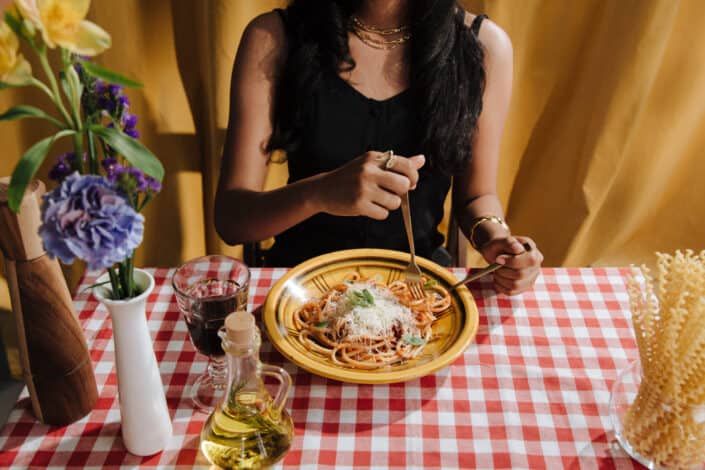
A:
(365, 34)
(384, 44)
(381, 31)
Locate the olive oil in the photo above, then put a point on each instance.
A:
(247, 438)
(249, 430)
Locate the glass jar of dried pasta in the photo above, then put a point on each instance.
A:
(657, 428)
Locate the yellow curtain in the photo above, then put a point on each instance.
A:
(602, 159)
(603, 156)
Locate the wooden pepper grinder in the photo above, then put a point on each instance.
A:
(55, 361)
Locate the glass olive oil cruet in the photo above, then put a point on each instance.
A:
(248, 429)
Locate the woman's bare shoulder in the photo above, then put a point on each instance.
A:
(264, 37)
(268, 24)
(495, 40)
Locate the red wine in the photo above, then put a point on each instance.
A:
(211, 301)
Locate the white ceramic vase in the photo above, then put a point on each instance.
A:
(146, 426)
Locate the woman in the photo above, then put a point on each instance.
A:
(338, 84)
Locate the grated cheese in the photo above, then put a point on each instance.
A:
(374, 320)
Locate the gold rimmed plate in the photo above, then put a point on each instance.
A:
(453, 330)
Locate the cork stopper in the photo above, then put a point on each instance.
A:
(240, 326)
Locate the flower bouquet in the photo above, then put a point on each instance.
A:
(109, 177)
(103, 185)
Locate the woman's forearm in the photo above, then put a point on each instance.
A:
(244, 215)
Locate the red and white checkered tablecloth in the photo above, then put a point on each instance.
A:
(531, 392)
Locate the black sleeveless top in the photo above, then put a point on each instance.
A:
(343, 124)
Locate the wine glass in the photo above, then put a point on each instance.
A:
(207, 290)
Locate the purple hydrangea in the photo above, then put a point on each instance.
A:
(86, 218)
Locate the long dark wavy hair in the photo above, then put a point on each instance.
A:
(446, 73)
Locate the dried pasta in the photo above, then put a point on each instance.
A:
(365, 324)
(666, 422)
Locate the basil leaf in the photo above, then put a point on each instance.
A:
(430, 283)
(368, 297)
(413, 340)
(361, 299)
(321, 324)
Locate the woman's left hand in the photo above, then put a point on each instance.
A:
(521, 266)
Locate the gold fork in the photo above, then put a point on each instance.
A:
(412, 274)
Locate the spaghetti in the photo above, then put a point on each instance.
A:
(365, 324)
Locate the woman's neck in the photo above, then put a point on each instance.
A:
(384, 13)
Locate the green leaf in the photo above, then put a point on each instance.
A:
(14, 23)
(108, 75)
(72, 89)
(136, 153)
(76, 85)
(24, 111)
(97, 284)
(65, 85)
(28, 166)
(321, 324)
(361, 299)
(370, 299)
(430, 283)
(413, 340)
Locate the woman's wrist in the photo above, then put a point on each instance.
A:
(486, 228)
(314, 193)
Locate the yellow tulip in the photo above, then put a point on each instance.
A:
(62, 24)
(14, 69)
(29, 11)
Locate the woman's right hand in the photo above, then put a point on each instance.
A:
(365, 187)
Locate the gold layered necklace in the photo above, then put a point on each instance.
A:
(365, 32)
